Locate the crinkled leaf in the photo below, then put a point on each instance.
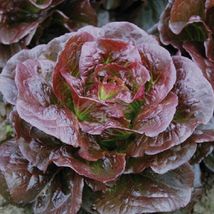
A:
(189, 80)
(22, 18)
(24, 182)
(34, 105)
(164, 161)
(106, 169)
(94, 116)
(68, 61)
(173, 158)
(47, 52)
(162, 71)
(154, 119)
(63, 194)
(36, 153)
(193, 109)
(90, 149)
(52, 120)
(204, 133)
(29, 132)
(146, 193)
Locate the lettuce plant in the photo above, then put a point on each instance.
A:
(192, 31)
(105, 120)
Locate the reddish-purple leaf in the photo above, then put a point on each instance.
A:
(204, 133)
(36, 153)
(63, 194)
(10, 35)
(94, 116)
(146, 193)
(34, 105)
(154, 119)
(45, 53)
(24, 182)
(164, 161)
(90, 149)
(173, 158)
(189, 80)
(195, 107)
(162, 71)
(104, 170)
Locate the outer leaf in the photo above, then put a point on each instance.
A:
(147, 193)
(173, 158)
(104, 170)
(164, 161)
(204, 133)
(36, 153)
(89, 149)
(34, 105)
(22, 18)
(24, 182)
(62, 195)
(189, 79)
(48, 52)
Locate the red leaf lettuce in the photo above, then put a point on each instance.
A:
(98, 109)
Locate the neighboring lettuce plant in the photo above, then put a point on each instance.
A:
(104, 121)
(24, 20)
(188, 25)
(192, 31)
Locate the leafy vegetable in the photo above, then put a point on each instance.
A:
(97, 109)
